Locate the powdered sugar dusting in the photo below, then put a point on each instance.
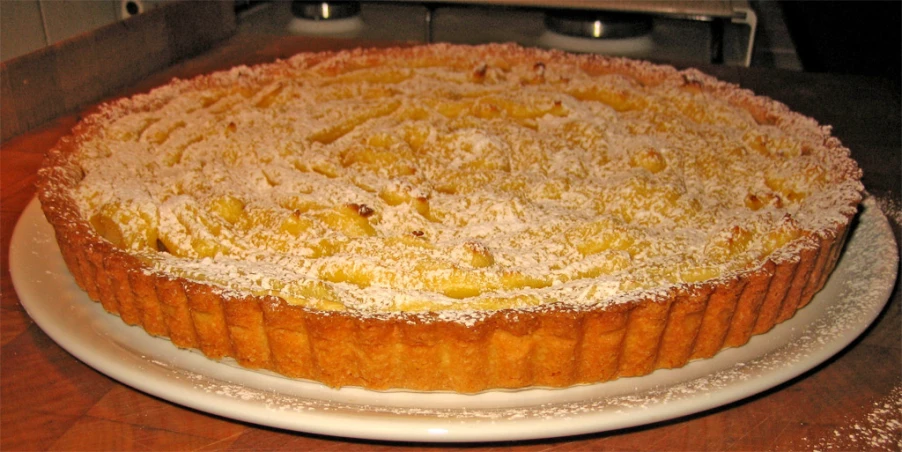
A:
(509, 179)
(892, 208)
(879, 429)
(857, 293)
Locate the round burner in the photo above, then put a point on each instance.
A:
(598, 24)
(324, 10)
(617, 34)
(335, 19)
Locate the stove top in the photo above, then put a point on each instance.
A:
(691, 32)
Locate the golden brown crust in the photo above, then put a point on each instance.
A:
(554, 346)
(509, 349)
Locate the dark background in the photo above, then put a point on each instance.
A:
(847, 37)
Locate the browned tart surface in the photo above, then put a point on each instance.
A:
(451, 218)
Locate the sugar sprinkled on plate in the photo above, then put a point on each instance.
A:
(857, 297)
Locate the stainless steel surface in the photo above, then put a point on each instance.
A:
(676, 8)
(686, 32)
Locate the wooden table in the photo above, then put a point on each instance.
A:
(50, 400)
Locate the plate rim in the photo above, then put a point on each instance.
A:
(241, 402)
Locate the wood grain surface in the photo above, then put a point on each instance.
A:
(69, 74)
(52, 401)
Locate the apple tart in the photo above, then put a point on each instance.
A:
(447, 217)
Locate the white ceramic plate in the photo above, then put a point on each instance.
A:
(852, 299)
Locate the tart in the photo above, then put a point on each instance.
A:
(448, 217)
